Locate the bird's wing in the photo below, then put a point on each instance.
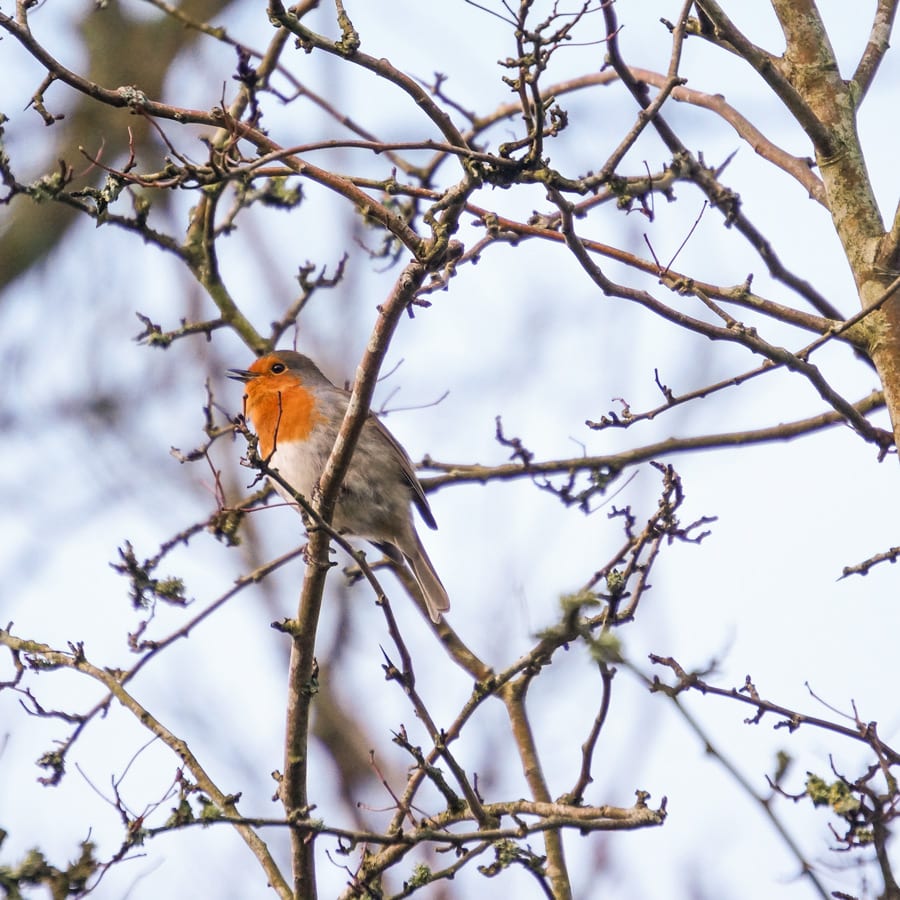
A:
(409, 472)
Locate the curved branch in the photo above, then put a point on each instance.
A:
(795, 166)
(130, 97)
(381, 67)
(865, 732)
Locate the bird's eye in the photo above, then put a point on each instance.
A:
(277, 368)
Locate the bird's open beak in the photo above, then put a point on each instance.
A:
(240, 374)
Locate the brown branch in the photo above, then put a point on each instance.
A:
(126, 97)
(379, 147)
(628, 418)
(743, 783)
(798, 168)
(513, 696)
(733, 332)
(405, 677)
(459, 473)
(862, 568)
(649, 108)
(576, 795)
(435, 828)
(381, 67)
(770, 69)
(303, 630)
(719, 197)
(788, 718)
(45, 657)
(876, 48)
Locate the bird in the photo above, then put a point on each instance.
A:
(296, 412)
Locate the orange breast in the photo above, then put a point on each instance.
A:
(281, 410)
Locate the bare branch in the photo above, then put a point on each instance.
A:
(457, 473)
(771, 70)
(43, 656)
(876, 48)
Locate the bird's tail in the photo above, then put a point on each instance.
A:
(435, 593)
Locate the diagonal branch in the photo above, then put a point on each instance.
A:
(649, 108)
(741, 780)
(876, 48)
(770, 69)
(719, 197)
(733, 331)
(309, 40)
(46, 657)
(795, 166)
(303, 630)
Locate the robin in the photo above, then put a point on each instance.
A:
(297, 413)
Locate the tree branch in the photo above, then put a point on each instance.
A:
(44, 657)
(771, 70)
(877, 46)
(459, 473)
